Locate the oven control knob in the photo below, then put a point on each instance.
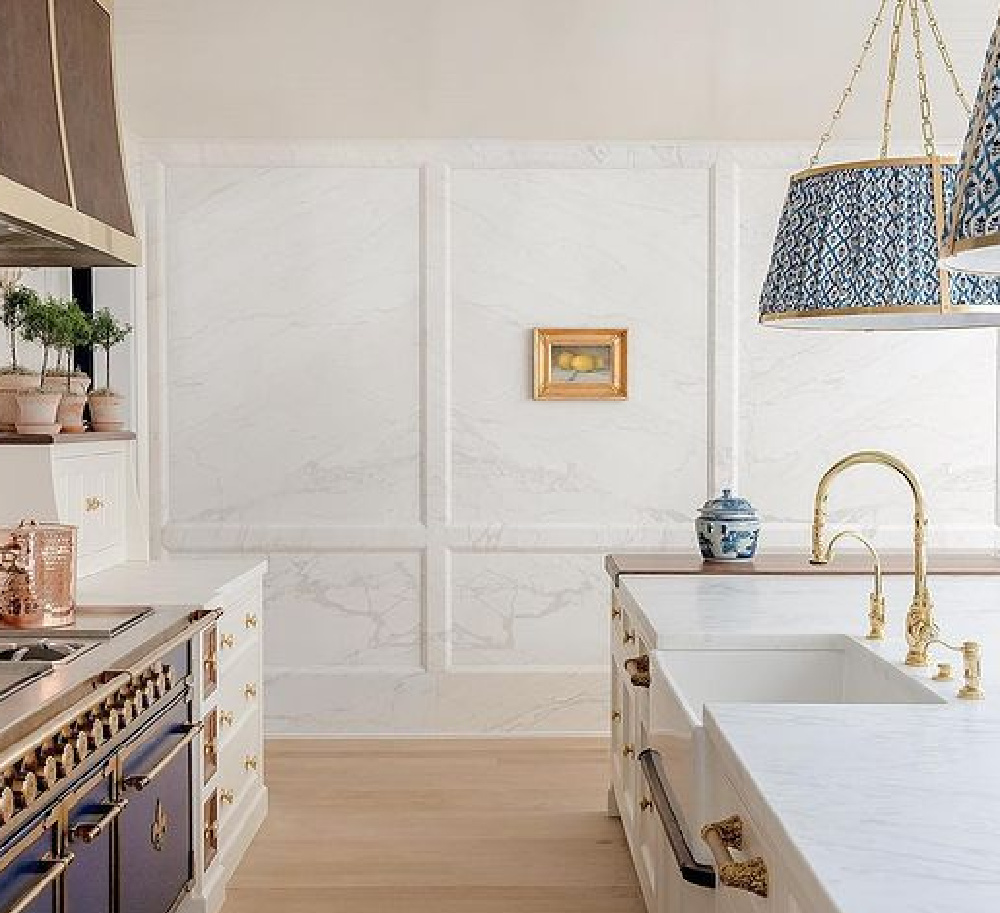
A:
(65, 757)
(169, 678)
(47, 772)
(125, 708)
(112, 723)
(25, 788)
(80, 743)
(7, 804)
(146, 693)
(94, 731)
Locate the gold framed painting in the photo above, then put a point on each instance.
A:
(581, 364)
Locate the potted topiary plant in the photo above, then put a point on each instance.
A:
(107, 408)
(75, 330)
(44, 323)
(14, 377)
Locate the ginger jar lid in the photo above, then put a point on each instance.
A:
(728, 507)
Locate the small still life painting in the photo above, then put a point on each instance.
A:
(581, 364)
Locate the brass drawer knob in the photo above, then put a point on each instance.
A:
(226, 717)
(628, 638)
(250, 621)
(250, 691)
(227, 796)
(249, 763)
(646, 803)
(616, 715)
(228, 641)
(616, 612)
(92, 503)
(628, 751)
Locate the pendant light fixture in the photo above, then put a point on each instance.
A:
(973, 241)
(859, 243)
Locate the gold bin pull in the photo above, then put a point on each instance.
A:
(638, 670)
(723, 836)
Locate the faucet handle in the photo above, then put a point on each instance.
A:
(972, 654)
(876, 616)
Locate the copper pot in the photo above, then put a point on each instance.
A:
(39, 564)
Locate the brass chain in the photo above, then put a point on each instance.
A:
(926, 120)
(849, 89)
(946, 56)
(890, 86)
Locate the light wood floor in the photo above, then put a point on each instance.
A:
(490, 826)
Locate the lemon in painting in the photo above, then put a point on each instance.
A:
(583, 363)
(565, 361)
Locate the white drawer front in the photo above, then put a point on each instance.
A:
(240, 690)
(241, 768)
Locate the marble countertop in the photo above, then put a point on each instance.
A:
(880, 809)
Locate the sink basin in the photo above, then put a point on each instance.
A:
(828, 670)
(843, 672)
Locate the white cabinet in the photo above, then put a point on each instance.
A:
(90, 485)
(666, 872)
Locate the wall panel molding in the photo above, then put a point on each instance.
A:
(460, 618)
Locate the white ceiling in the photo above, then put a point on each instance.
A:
(526, 69)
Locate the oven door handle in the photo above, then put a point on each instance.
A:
(88, 833)
(55, 868)
(191, 732)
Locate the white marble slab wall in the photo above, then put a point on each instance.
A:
(341, 338)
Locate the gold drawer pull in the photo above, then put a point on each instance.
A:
(54, 867)
(250, 691)
(92, 503)
(645, 803)
(226, 717)
(227, 796)
(212, 834)
(638, 670)
(616, 715)
(723, 836)
(616, 612)
(249, 763)
(628, 751)
(628, 638)
(228, 641)
(250, 621)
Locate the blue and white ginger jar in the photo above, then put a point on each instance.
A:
(728, 528)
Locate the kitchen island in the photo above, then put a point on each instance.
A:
(884, 799)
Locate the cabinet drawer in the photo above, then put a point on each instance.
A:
(238, 627)
(241, 768)
(240, 692)
(90, 494)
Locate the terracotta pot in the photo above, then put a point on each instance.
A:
(70, 414)
(56, 383)
(107, 411)
(10, 384)
(36, 412)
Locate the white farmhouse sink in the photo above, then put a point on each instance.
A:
(842, 673)
(827, 670)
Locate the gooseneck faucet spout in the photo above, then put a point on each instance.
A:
(920, 626)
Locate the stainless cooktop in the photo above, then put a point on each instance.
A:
(14, 676)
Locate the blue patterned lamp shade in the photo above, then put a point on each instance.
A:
(973, 240)
(858, 248)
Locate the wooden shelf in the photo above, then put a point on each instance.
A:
(789, 563)
(83, 437)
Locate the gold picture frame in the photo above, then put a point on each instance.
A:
(581, 364)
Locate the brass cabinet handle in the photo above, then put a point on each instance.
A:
(250, 691)
(227, 796)
(249, 763)
(628, 751)
(628, 638)
(638, 670)
(212, 834)
(88, 833)
(616, 715)
(92, 503)
(723, 836)
(645, 803)
(616, 612)
(226, 717)
(228, 641)
(250, 621)
(191, 732)
(54, 868)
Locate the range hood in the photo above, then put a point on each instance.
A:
(63, 195)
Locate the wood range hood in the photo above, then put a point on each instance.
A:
(64, 200)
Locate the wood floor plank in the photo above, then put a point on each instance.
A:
(477, 826)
